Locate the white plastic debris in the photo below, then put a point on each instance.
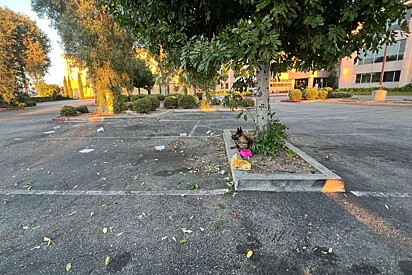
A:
(85, 151)
(17, 139)
(183, 135)
(49, 132)
(101, 129)
(208, 132)
(160, 147)
(222, 172)
(56, 127)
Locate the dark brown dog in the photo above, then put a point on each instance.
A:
(242, 141)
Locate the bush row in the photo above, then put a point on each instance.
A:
(313, 93)
(68, 110)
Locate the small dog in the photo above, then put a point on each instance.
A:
(242, 141)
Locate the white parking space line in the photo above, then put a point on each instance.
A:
(194, 129)
(122, 138)
(380, 194)
(212, 192)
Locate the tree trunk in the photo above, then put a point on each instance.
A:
(262, 97)
(138, 90)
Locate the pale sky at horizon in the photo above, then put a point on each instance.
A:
(56, 73)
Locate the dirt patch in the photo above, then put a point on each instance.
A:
(284, 164)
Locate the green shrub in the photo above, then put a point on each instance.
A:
(68, 111)
(311, 93)
(170, 102)
(155, 102)
(82, 109)
(295, 95)
(323, 93)
(136, 97)
(272, 140)
(161, 97)
(186, 102)
(215, 101)
(143, 105)
(340, 95)
(247, 102)
(127, 106)
(30, 104)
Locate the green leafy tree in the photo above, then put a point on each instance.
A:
(44, 89)
(24, 50)
(142, 77)
(269, 36)
(94, 41)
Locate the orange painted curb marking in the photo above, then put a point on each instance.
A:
(333, 186)
(94, 119)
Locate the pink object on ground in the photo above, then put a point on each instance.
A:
(245, 153)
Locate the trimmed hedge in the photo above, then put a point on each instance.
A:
(68, 111)
(136, 97)
(323, 93)
(143, 105)
(161, 97)
(155, 102)
(186, 102)
(82, 109)
(295, 95)
(216, 101)
(247, 102)
(340, 95)
(170, 102)
(48, 98)
(404, 89)
(311, 93)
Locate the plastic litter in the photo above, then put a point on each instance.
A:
(49, 132)
(101, 129)
(160, 147)
(85, 151)
(183, 135)
(245, 153)
(238, 164)
(56, 127)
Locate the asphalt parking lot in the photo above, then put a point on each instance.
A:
(168, 212)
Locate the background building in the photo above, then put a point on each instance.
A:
(75, 75)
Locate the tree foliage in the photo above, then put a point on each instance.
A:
(285, 34)
(44, 89)
(24, 50)
(94, 41)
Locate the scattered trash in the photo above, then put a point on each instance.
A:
(36, 247)
(104, 230)
(92, 214)
(186, 230)
(222, 172)
(17, 139)
(234, 214)
(249, 254)
(201, 229)
(141, 216)
(330, 250)
(160, 147)
(75, 186)
(118, 235)
(5, 201)
(49, 132)
(387, 207)
(28, 186)
(237, 164)
(245, 153)
(183, 241)
(164, 238)
(26, 227)
(71, 214)
(101, 129)
(85, 151)
(208, 132)
(183, 135)
(56, 127)
(68, 267)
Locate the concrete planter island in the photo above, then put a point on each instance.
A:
(326, 181)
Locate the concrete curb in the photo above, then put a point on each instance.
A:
(326, 181)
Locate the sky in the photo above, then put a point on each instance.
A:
(56, 71)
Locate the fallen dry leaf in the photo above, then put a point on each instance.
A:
(26, 227)
(107, 261)
(249, 254)
(48, 240)
(68, 267)
(104, 230)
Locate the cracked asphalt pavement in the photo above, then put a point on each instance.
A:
(46, 187)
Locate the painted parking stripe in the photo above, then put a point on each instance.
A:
(212, 192)
(194, 129)
(380, 194)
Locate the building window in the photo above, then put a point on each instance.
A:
(391, 76)
(321, 81)
(395, 52)
(227, 86)
(301, 83)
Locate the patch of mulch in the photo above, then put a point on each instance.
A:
(282, 164)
